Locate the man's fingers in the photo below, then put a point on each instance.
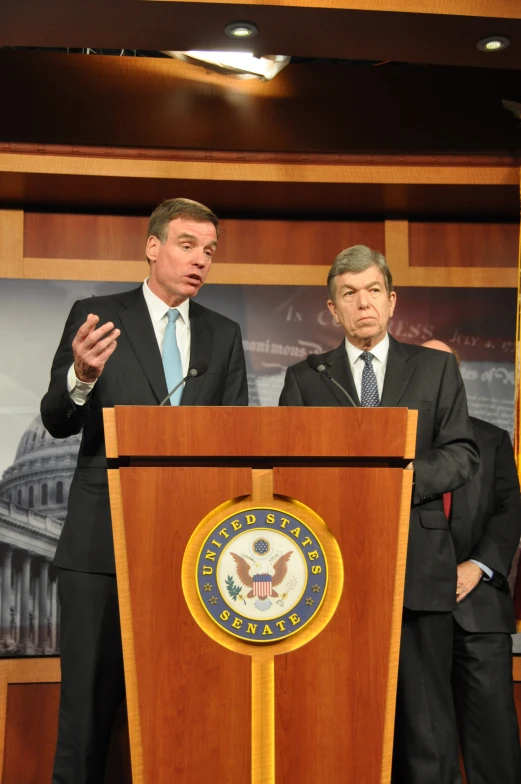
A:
(100, 345)
(96, 335)
(87, 326)
(107, 352)
(92, 346)
(88, 335)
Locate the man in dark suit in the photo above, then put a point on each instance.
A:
(123, 349)
(485, 523)
(375, 369)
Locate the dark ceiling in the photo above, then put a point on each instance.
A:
(302, 31)
(360, 83)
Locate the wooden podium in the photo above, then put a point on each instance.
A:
(204, 704)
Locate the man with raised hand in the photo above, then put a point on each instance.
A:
(125, 349)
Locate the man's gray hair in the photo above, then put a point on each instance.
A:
(358, 259)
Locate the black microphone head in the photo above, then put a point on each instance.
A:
(198, 367)
(314, 363)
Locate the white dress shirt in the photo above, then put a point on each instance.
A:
(158, 310)
(379, 352)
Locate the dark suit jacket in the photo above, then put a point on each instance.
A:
(446, 453)
(486, 525)
(133, 375)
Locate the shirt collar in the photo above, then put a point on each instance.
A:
(158, 309)
(379, 351)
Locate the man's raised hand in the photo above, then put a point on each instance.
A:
(92, 346)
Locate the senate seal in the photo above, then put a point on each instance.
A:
(261, 574)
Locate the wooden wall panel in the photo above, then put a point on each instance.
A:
(267, 252)
(11, 243)
(30, 733)
(463, 244)
(113, 237)
(295, 242)
(62, 236)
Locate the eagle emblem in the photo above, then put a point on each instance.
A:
(263, 581)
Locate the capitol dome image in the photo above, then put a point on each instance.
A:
(33, 504)
(41, 473)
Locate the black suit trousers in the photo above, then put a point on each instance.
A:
(93, 684)
(425, 735)
(486, 713)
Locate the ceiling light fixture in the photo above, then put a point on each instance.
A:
(494, 43)
(241, 29)
(239, 65)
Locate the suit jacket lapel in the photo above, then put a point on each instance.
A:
(136, 322)
(397, 374)
(201, 339)
(338, 365)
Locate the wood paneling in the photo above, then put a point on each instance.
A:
(178, 667)
(282, 200)
(261, 252)
(344, 694)
(11, 243)
(263, 274)
(460, 244)
(150, 431)
(32, 721)
(31, 731)
(252, 172)
(104, 237)
(500, 8)
(84, 237)
(300, 243)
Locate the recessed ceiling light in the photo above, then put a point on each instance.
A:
(494, 43)
(241, 29)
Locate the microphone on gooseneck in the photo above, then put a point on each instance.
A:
(316, 364)
(198, 368)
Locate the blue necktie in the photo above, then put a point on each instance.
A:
(369, 397)
(172, 358)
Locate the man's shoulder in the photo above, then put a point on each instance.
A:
(213, 317)
(486, 430)
(327, 358)
(112, 300)
(419, 354)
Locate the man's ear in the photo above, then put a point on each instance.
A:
(392, 303)
(152, 248)
(332, 310)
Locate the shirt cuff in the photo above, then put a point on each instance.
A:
(78, 390)
(488, 574)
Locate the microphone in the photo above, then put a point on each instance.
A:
(199, 367)
(314, 363)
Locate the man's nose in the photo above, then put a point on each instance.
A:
(199, 258)
(363, 298)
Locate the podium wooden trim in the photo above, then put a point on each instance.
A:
(160, 454)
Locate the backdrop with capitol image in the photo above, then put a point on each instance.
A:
(280, 325)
